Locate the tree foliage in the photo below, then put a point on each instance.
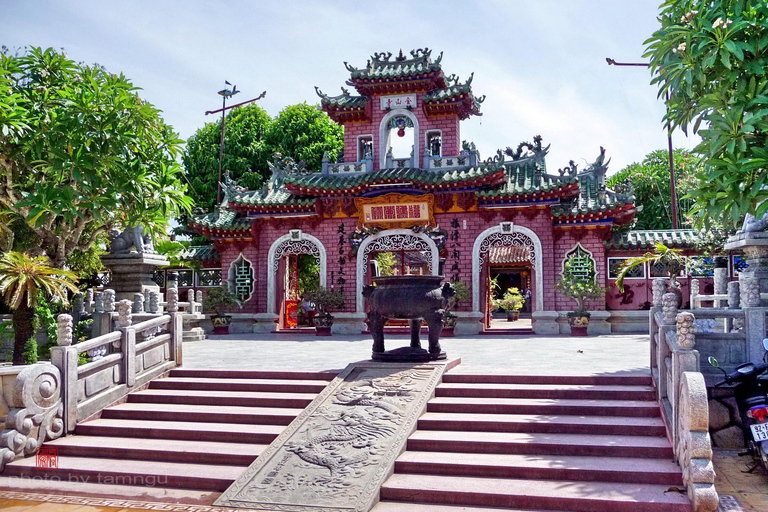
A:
(301, 132)
(711, 58)
(81, 152)
(650, 181)
(22, 281)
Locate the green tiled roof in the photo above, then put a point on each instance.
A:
(200, 253)
(344, 100)
(525, 177)
(271, 196)
(647, 239)
(380, 66)
(333, 182)
(224, 219)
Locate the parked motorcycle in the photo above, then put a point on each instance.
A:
(751, 393)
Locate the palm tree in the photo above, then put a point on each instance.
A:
(672, 260)
(21, 278)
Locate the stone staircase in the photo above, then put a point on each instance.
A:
(491, 442)
(486, 442)
(194, 431)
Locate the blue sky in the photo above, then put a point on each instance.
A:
(540, 63)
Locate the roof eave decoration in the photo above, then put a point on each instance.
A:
(455, 99)
(636, 240)
(382, 75)
(346, 108)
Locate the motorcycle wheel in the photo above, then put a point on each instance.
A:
(762, 452)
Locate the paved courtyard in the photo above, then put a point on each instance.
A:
(503, 353)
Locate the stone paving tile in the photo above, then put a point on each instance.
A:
(513, 354)
(749, 489)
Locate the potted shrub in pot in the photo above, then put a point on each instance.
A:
(580, 288)
(218, 300)
(324, 300)
(512, 302)
(449, 318)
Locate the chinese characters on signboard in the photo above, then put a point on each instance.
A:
(396, 212)
(399, 101)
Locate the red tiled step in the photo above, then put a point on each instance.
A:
(201, 413)
(168, 450)
(548, 444)
(549, 494)
(218, 432)
(216, 384)
(635, 408)
(643, 379)
(132, 472)
(570, 391)
(600, 425)
(221, 398)
(251, 374)
(399, 506)
(544, 467)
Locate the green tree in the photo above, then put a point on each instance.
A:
(22, 279)
(245, 153)
(304, 133)
(650, 181)
(710, 56)
(301, 132)
(81, 152)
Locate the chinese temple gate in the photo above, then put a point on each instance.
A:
(438, 209)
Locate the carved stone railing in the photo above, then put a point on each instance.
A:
(347, 167)
(450, 162)
(693, 449)
(32, 396)
(682, 394)
(118, 361)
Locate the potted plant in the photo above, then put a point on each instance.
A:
(512, 302)
(324, 300)
(580, 288)
(672, 260)
(218, 300)
(449, 318)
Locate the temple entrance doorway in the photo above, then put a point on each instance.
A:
(513, 278)
(300, 273)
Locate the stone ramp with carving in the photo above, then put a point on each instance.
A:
(185, 438)
(524, 443)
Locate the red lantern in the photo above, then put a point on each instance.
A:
(401, 132)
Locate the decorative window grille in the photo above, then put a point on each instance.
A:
(186, 278)
(241, 279)
(581, 264)
(208, 277)
(739, 264)
(614, 266)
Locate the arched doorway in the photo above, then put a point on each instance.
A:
(403, 242)
(526, 261)
(389, 123)
(282, 261)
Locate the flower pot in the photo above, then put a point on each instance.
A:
(579, 324)
(221, 324)
(513, 315)
(323, 324)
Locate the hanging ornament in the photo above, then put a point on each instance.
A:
(401, 132)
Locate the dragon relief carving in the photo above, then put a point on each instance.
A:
(343, 442)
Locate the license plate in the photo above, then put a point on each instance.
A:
(760, 431)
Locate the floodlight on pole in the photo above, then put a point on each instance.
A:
(672, 180)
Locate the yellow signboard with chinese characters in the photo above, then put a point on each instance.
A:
(396, 211)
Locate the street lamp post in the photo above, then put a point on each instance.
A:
(672, 187)
(225, 95)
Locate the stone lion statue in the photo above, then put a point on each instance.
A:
(131, 238)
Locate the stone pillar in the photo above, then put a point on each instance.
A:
(199, 296)
(659, 287)
(669, 308)
(64, 330)
(138, 302)
(695, 291)
(172, 300)
(89, 301)
(154, 302)
(755, 248)
(733, 295)
(98, 302)
(109, 301)
(132, 272)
